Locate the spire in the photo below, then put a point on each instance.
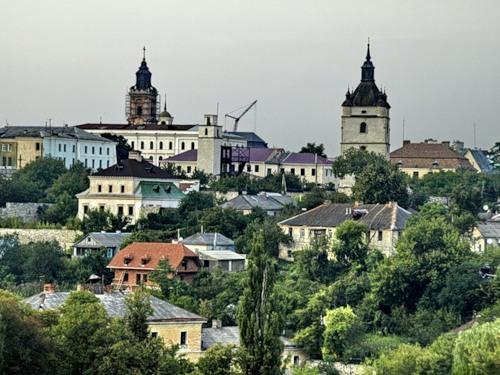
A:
(368, 70)
(368, 57)
(144, 53)
(165, 106)
(143, 75)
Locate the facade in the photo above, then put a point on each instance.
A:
(271, 203)
(419, 159)
(94, 241)
(133, 188)
(226, 260)
(19, 145)
(133, 264)
(365, 115)
(174, 325)
(485, 234)
(210, 146)
(385, 224)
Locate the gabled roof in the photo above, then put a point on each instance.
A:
(304, 158)
(264, 201)
(134, 168)
(489, 229)
(423, 155)
(482, 160)
(186, 156)
(154, 252)
(208, 239)
(114, 304)
(331, 215)
(106, 239)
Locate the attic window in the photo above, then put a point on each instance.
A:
(156, 188)
(168, 189)
(145, 259)
(399, 163)
(128, 258)
(435, 164)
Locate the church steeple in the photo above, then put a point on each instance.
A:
(368, 70)
(143, 75)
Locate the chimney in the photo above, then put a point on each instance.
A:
(406, 142)
(135, 155)
(49, 288)
(446, 143)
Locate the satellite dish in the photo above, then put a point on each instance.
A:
(485, 207)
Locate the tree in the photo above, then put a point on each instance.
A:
(220, 360)
(341, 330)
(350, 245)
(260, 318)
(477, 350)
(99, 220)
(139, 308)
(195, 201)
(122, 147)
(314, 149)
(354, 161)
(313, 198)
(273, 236)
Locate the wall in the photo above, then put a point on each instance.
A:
(65, 237)
(26, 212)
(171, 334)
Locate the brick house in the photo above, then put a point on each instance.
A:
(133, 264)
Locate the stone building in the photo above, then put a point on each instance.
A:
(365, 114)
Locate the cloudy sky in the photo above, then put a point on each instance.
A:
(72, 61)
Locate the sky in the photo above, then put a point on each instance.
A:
(439, 61)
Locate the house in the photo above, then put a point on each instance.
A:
(173, 324)
(20, 145)
(93, 241)
(218, 334)
(271, 203)
(134, 263)
(208, 241)
(227, 260)
(485, 234)
(384, 221)
(133, 188)
(479, 160)
(418, 159)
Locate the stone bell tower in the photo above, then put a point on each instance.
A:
(142, 105)
(365, 114)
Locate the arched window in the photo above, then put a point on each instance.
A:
(151, 145)
(161, 146)
(160, 158)
(362, 127)
(183, 145)
(206, 131)
(192, 145)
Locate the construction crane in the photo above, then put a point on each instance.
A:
(237, 118)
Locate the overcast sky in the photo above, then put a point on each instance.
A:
(73, 60)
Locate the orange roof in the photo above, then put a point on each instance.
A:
(147, 255)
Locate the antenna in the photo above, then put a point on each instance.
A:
(474, 126)
(403, 129)
(217, 112)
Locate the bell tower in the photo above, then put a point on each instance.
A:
(142, 105)
(365, 114)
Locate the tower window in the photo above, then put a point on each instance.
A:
(139, 110)
(362, 127)
(206, 131)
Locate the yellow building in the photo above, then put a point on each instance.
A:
(133, 188)
(419, 159)
(19, 146)
(385, 223)
(485, 234)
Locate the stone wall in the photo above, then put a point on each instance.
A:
(65, 237)
(26, 212)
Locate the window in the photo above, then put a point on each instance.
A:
(192, 145)
(289, 254)
(4, 161)
(362, 148)
(125, 277)
(302, 233)
(160, 146)
(93, 163)
(269, 172)
(107, 150)
(154, 334)
(206, 263)
(74, 148)
(107, 163)
(132, 144)
(183, 145)
(362, 127)
(9, 161)
(142, 145)
(130, 210)
(86, 163)
(93, 150)
(206, 131)
(292, 170)
(145, 278)
(85, 209)
(37, 146)
(249, 168)
(415, 174)
(122, 188)
(296, 360)
(137, 278)
(170, 145)
(100, 164)
(256, 168)
(86, 149)
(59, 147)
(188, 169)
(100, 150)
(160, 158)
(151, 145)
(99, 188)
(139, 110)
(313, 171)
(183, 338)
(120, 210)
(110, 188)
(101, 207)
(282, 170)
(64, 148)
(302, 171)
(380, 235)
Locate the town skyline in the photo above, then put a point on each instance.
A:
(299, 72)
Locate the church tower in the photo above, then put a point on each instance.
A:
(365, 115)
(142, 105)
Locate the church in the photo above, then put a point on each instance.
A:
(365, 114)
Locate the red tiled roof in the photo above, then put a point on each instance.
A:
(154, 252)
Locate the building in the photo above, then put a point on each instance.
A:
(262, 162)
(20, 145)
(271, 203)
(226, 260)
(419, 159)
(385, 224)
(365, 115)
(174, 325)
(133, 188)
(109, 241)
(133, 264)
(485, 234)
(208, 241)
(479, 161)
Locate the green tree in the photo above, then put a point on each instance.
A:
(260, 318)
(341, 330)
(477, 350)
(195, 201)
(273, 236)
(220, 360)
(314, 149)
(314, 198)
(163, 276)
(350, 245)
(139, 308)
(354, 161)
(100, 220)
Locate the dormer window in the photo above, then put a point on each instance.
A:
(362, 127)
(128, 258)
(435, 164)
(145, 259)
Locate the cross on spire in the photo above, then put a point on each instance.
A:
(368, 57)
(144, 53)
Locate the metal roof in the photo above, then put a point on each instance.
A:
(114, 304)
(264, 201)
(220, 255)
(489, 229)
(208, 239)
(106, 239)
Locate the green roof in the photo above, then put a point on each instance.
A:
(160, 190)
